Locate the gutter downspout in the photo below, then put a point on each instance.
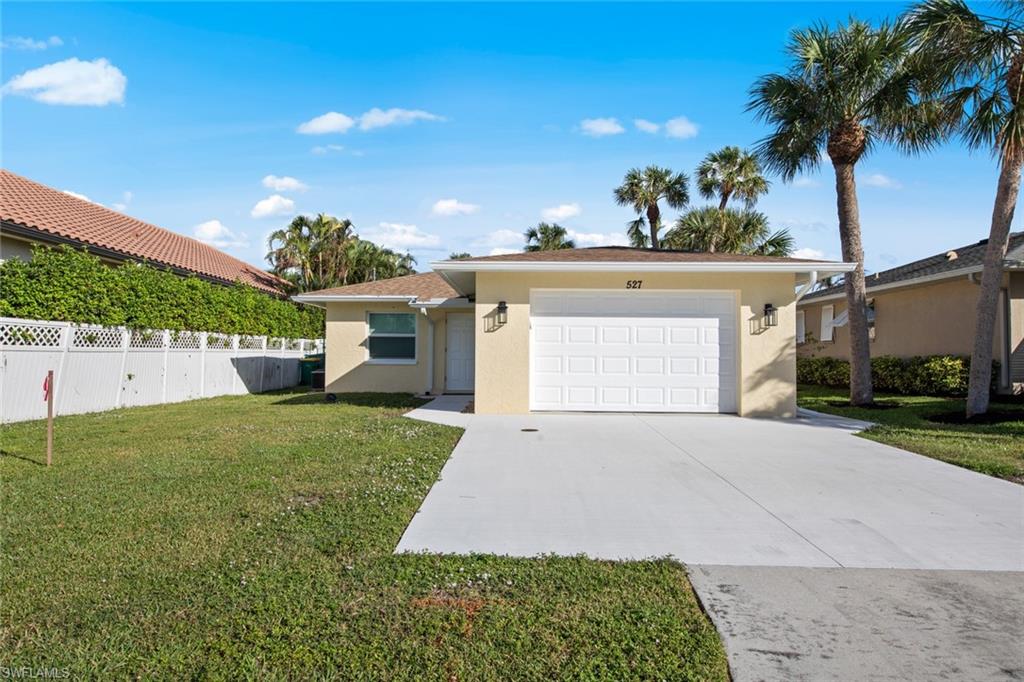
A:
(805, 289)
(430, 352)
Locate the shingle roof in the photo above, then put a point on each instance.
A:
(603, 254)
(37, 207)
(966, 256)
(424, 286)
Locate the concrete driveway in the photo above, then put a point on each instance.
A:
(712, 490)
(797, 534)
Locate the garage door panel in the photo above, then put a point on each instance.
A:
(633, 351)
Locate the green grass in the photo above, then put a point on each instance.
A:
(994, 449)
(252, 536)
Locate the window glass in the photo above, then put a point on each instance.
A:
(392, 336)
(392, 323)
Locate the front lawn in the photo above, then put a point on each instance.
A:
(994, 449)
(251, 536)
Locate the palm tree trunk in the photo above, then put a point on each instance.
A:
(861, 392)
(724, 201)
(653, 218)
(991, 279)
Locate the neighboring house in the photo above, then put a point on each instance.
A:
(927, 307)
(609, 329)
(31, 213)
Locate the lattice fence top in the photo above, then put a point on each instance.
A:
(186, 340)
(27, 334)
(218, 342)
(250, 343)
(97, 337)
(147, 338)
(41, 334)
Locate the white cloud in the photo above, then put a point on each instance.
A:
(122, 206)
(880, 180)
(501, 251)
(380, 118)
(334, 122)
(401, 237)
(645, 126)
(72, 82)
(331, 122)
(680, 127)
(598, 238)
(284, 183)
(600, 127)
(501, 238)
(79, 195)
(454, 207)
(273, 205)
(810, 254)
(804, 181)
(21, 43)
(561, 212)
(326, 149)
(214, 233)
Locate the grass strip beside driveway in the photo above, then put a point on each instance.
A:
(993, 449)
(253, 536)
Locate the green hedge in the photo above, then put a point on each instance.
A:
(73, 286)
(928, 375)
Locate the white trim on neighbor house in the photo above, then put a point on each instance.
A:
(337, 298)
(801, 326)
(827, 324)
(927, 279)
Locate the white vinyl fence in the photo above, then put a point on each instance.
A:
(102, 368)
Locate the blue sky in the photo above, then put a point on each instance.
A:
(196, 104)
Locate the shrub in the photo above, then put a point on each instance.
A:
(823, 371)
(928, 375)
(74, 286)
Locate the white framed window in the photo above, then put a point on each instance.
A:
(871, 319)
(391, 338)
(801, 329)
(827, 314)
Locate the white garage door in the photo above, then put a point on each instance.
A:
(633, 351)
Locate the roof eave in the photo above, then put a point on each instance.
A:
(888, 286)
(443, 268)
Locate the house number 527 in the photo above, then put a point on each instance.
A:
(634, 283)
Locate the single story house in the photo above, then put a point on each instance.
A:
(610, 329)
(32, 213)
(927, 307)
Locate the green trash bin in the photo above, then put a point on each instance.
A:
(308, 365)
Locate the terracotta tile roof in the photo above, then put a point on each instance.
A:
(602, 254)
(423, 286)
(37, 207)
(968, 256)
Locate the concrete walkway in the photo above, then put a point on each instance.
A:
(797, 535)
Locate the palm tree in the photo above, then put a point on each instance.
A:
(981, 61)
(642, 190)
(548, 237)
(729, 230)
(289, 251)
(846, 91)
(729, 172)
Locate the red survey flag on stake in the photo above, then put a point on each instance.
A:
(46, 388)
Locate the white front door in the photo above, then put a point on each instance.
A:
(460, 352)
(635, 351)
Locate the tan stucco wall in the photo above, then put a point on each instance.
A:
(767, 371)
(14, 248)
(936, 319)
(347, 368)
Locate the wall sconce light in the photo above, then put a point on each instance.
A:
(502, 312)
(771, 315)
